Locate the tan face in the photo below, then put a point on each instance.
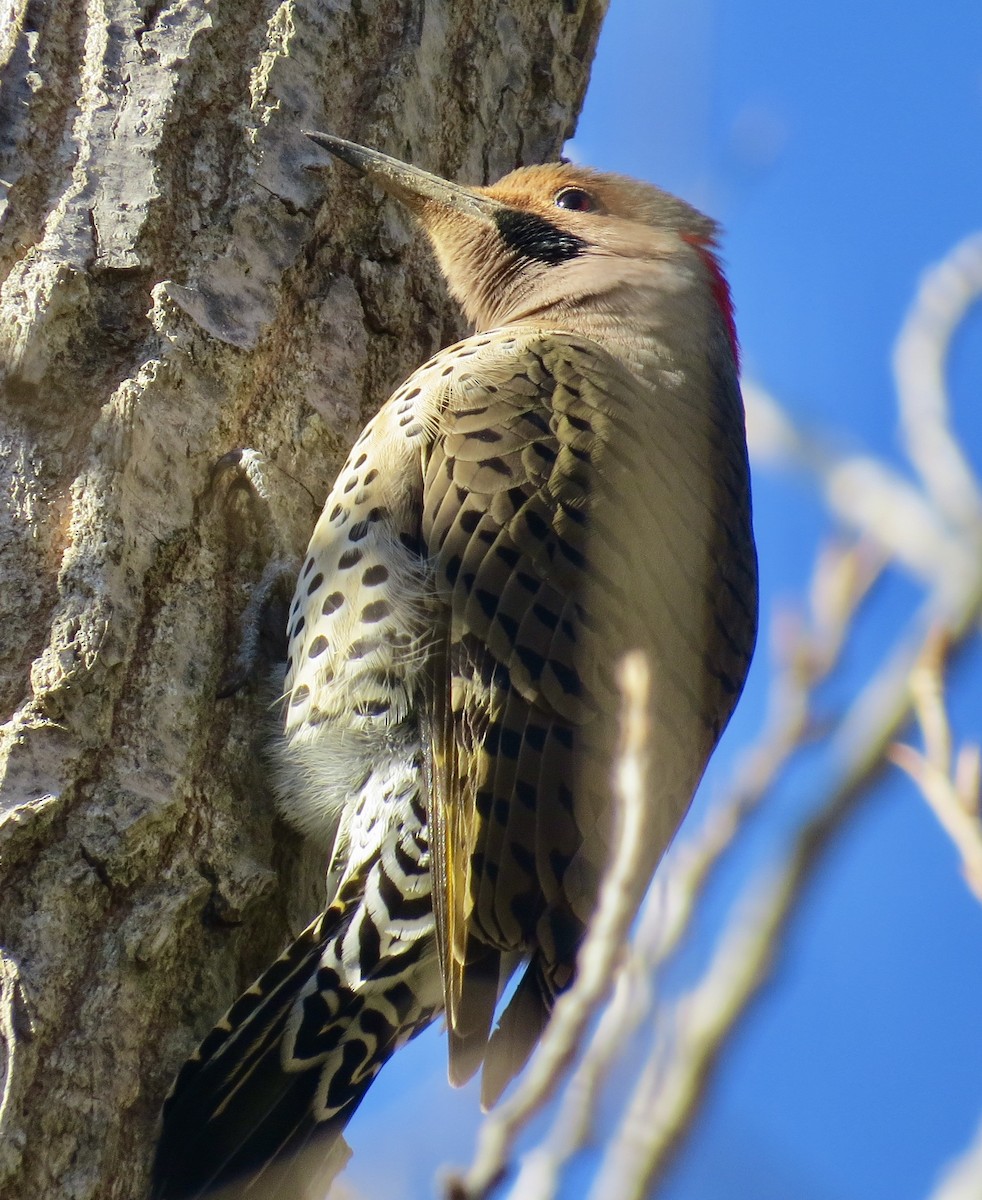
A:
(544, 236)
(549, 232)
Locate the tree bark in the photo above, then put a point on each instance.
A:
(176, 284)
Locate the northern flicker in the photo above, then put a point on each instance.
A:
(565, 485)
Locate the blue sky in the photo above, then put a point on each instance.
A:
(841, 147)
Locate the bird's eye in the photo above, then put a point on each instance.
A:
(575, 200)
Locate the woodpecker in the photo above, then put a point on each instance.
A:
(565, 485)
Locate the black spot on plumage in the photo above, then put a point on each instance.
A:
(484, 800)
(569, 679)
(350, 558)
(358, 531)
(413, 908)
(369, 944)
(516, 497)
(508, 624)
(525, 793)
(487, 600)
(526, 908)
(372, 475)
(351, 484)
(524, 856)
(407, 864)
(390, 894)
(353, 1054)
(374, 612)
(531, 661)
(451, 568)
(308, 567)
(545, 615)
(564, 736)
(315, 583)
(469, 520)
(534, 237)
(300, 694)
(375, 1025)
(395, 964)
(537, 527)
(486, 435)
(510, 743)
(328, 980)
(576, 513)
(375, 575)
(401, 997)
(335, 513)
(570, 553)
(317, 646)
(535, 737)
(332, 603)
(508, 555)
(496, 464)
(360, 647)
(559, 863)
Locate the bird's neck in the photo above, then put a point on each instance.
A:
(659, 336)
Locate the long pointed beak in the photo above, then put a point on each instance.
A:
(415, 188)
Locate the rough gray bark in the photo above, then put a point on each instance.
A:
(176, 284)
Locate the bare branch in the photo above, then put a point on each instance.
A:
(947, 292)
(953, 796)
(861, 492)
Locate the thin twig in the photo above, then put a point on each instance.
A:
(952, 794)
(947, 292)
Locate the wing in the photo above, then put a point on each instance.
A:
(570, 515)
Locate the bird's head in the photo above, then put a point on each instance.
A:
(548, 239)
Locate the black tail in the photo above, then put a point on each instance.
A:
(285, 1069)
(233, 1109)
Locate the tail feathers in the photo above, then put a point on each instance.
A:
(232, 1107)
(472, 1014)
(518, 1031)
(282, 1074)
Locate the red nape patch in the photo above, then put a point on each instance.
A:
(720, 288)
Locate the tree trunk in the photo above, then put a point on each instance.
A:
(176, 284)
